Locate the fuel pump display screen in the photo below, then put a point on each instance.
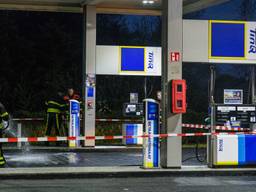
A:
(239, 114)
(133, 109)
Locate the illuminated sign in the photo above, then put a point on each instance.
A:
(139, 60)
(251, 38)
(174, 56)
(132, 59)
(227, 40)
(232, 41)
(151, 128)
(74, 124)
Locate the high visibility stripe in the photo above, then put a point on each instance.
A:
(55, 103)
(4, 114)
(2, 162)
(1, 158)
(57, 121)
(52, 110)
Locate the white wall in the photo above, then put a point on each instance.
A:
(195, 41)
(108, 61)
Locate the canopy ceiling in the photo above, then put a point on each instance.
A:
(103, 6)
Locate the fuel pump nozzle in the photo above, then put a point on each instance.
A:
(212, 85)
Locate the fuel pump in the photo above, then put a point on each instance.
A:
(151, 127)
(74, 122)
(233, 149)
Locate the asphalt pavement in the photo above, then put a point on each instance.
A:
(101, 157)
(148, 184)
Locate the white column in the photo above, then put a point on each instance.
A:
(171, 148)
(90, 73)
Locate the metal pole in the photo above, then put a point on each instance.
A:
(253, 84)
(19, 134)
(253, 126)
(212, 85)
(83, 71)
(145, 87)
(210, 139)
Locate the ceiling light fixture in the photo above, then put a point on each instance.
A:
(148, 2)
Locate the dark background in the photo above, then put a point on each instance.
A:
(41, 53)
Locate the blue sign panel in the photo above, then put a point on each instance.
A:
(132, 59)
(227, 39)
(74, 124)
(75, 107)
(151, 127)
(90, 92)
(152, 111)
(131, 129)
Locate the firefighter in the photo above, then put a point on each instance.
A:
(55, 106)
(71, 95)
(4, 116)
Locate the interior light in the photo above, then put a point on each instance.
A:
(148, 1)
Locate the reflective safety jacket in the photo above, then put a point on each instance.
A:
(55, 107)
(3, 115)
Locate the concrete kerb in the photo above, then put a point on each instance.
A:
(117, 172)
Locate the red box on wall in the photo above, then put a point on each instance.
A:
(179, 102)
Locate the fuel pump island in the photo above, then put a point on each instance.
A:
(222, 150)
(232, 150)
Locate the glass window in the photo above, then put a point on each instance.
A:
(230, 10)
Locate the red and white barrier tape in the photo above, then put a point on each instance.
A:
(27, 119)
(193, 126)
(222, 128)
(52, 139)
(97, 120)
(119, 120)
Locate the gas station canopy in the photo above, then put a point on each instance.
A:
(143, 7)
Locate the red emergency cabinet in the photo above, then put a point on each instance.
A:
(178, 96)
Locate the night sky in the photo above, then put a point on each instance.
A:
(41, 53)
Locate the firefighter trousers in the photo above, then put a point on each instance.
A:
(2, 159)
(53, 121)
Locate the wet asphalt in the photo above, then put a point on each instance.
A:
(148, 184)
(58, 158)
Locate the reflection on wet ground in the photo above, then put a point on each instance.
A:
(51, 158)
(72, 159)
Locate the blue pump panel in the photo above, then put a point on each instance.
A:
(239, 150)
(250, 149)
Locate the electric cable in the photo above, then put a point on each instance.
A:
(198, 156)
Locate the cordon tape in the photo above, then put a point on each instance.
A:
(217, 127)
(83, 138)
(185, 125)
